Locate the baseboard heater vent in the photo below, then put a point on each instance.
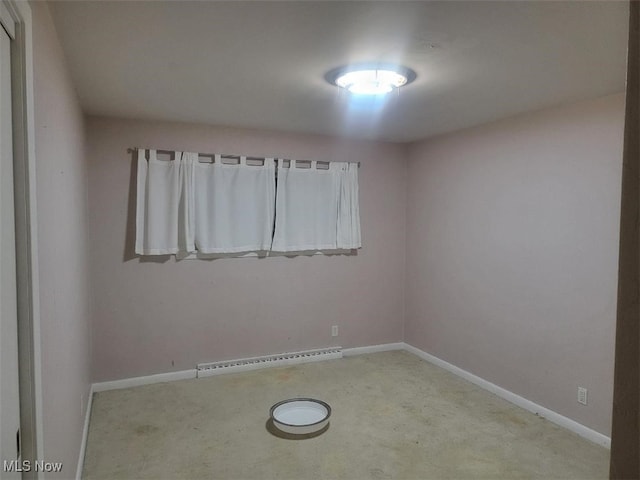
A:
(277, 360)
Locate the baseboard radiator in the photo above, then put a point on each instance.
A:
(254, 363)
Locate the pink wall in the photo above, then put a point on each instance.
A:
(152, 317)
(61, 192)
(512, 244)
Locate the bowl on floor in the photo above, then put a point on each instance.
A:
(300, 416)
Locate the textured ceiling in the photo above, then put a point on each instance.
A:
(261, 64)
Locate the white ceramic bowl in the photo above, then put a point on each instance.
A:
(300, 416)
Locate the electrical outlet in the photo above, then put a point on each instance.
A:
(582, 395)
(334, 331)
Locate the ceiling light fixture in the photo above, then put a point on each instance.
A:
(371, 79)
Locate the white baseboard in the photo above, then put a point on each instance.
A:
(561, 420)
(146, 380)
(188, 374)
(385, 347)
(85, 435)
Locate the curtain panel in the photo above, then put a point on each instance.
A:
(234, 206)
(317, 210)
(185, 206)
(162, 211)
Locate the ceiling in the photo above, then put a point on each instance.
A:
(262, 64)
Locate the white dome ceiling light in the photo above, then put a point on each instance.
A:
(371, 79)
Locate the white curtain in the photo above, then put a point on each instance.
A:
(162, 211)
(185, 206)
(317, 209)
(348, 207)
(234, 206)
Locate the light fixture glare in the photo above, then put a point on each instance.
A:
(371, 81)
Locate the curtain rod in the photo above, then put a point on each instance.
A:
(135, 149)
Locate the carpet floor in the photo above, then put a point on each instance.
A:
(394, 416)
